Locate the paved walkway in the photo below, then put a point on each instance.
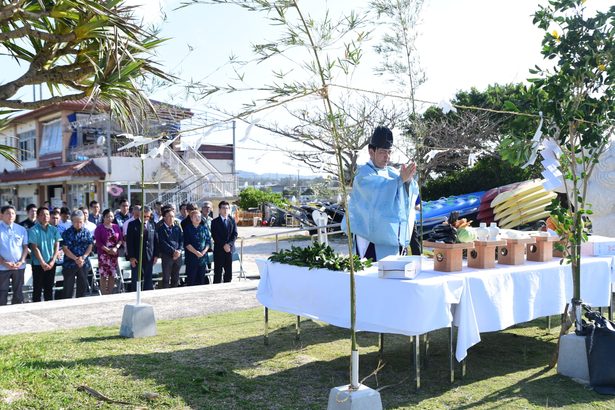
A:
(107, 310)
(168, 303)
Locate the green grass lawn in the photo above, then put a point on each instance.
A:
(220, 362)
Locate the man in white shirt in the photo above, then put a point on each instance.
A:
(87, 224)
(136, 214)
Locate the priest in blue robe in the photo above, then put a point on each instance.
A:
(381, 205)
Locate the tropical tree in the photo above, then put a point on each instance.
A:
(579, 109)
(93, 49)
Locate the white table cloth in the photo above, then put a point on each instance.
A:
(494, 299)
(407, 307)
(484, 300)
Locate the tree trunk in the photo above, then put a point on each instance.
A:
(575, 253)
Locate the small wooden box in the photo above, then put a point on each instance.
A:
(513, 253)
(483, 254)
(542, 250)
(448, 257)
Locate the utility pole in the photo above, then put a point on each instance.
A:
(108, 141)
(234, 168)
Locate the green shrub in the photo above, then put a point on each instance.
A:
(254, 198)
(487, 173)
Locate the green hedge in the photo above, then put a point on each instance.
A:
(489, 172)
(254, 198)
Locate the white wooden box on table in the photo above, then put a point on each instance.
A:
(399, 267)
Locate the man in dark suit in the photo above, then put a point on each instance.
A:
(223, 233)
(150, 251)
(170, 245)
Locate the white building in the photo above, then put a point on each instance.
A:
(69, 156)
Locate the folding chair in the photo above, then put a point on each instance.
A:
(95, 280)
(28, 284)
(157, 274)
(210, 274)
(242, 274)
(182, 275)
(125, 273)
(57, 289)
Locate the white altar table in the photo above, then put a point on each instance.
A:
(483, 300)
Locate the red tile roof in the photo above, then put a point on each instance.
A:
(71, 169)
(74, 105)
(164, 111)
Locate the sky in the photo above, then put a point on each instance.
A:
(461, 44)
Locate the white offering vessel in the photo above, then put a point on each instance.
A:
(482, 232)
(494, 231)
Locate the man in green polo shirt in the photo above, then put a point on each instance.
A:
(44, 240)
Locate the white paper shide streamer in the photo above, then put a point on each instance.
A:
(472, 158)
(551, 173)
(446, 106)
(432, 154)
(535, 143)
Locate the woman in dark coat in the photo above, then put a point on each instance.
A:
(197, 242)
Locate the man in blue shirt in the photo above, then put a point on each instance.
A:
(44, 240)
(13, 252)
(65, 221)
(381, 205)
(77, 243)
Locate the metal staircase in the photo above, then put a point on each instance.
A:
(198, 180)
(220, 186)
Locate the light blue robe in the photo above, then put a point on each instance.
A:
(381, 208)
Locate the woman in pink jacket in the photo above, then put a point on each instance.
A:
(108, 237)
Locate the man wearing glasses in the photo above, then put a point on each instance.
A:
(381, 205)
(207, 213)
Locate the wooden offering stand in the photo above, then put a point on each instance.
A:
(542, 250)
(448, 257)
(483, 255)
(513, 253)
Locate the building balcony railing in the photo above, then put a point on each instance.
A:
(89, 151)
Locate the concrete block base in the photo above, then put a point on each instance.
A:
(364, 398)
(138, 321)
(572, 359)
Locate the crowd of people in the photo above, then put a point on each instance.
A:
(52, 237)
